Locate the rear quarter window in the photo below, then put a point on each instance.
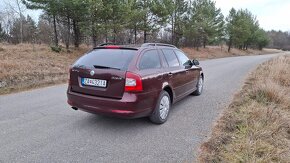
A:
(115, 58)
(149, 60)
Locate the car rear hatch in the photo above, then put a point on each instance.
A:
(102, 72)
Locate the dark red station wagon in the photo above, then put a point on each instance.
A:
(133, 82)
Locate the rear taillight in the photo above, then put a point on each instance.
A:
(133, 83)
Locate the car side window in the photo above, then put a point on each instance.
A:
(170, 57)
(150, 60)
(182, 58)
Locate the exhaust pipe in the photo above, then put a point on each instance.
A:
(74, 108)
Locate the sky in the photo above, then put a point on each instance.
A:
(5, 5)
(272, 14)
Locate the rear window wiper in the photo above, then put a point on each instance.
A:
(105, 67)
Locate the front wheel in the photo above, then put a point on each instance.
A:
(199, 86)
(161, 112)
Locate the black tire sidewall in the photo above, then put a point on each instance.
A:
(155, 117)
(200, 92)
(196, 92)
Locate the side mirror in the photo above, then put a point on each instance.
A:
(195, 62)
(188, 64)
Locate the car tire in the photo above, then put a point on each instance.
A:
(162, 108)
(199, 86)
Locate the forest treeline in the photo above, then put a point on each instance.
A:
(194, 23)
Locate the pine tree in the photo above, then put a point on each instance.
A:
(243, 30)
(230, 27)
(2, 33)
(176, 10)
(50, 7)
(261, 39)
(207, 21)
(152, 16)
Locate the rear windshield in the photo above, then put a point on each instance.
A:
(114, 58)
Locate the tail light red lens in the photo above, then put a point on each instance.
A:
(133, 83)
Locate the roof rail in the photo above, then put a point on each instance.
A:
(157, 44)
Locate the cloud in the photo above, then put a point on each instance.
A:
(272, 14)
(276, 19)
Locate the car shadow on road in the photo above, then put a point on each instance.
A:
(106, 123)
(187, 101)
(114, 121)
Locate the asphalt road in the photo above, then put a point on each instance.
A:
(39, 126)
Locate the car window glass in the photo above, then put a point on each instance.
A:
(115, 58)
(182, 57)
(150, 60)
(163, 60)
(170, 57)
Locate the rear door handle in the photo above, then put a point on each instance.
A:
(187, 71)
(170, 74)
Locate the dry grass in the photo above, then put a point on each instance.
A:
(211, 52)
(256, 126)
(23, 68)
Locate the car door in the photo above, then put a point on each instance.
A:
(174, 74)
(192, 72)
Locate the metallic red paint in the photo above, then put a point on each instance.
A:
(121, 101)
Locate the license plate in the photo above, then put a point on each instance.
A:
(94, 82)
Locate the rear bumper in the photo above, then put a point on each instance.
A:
(132, 105)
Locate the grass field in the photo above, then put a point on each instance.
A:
(212, 52)
(25, 67)
(256, 126)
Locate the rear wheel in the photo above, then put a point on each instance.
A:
(162, 109)
(199, 86)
